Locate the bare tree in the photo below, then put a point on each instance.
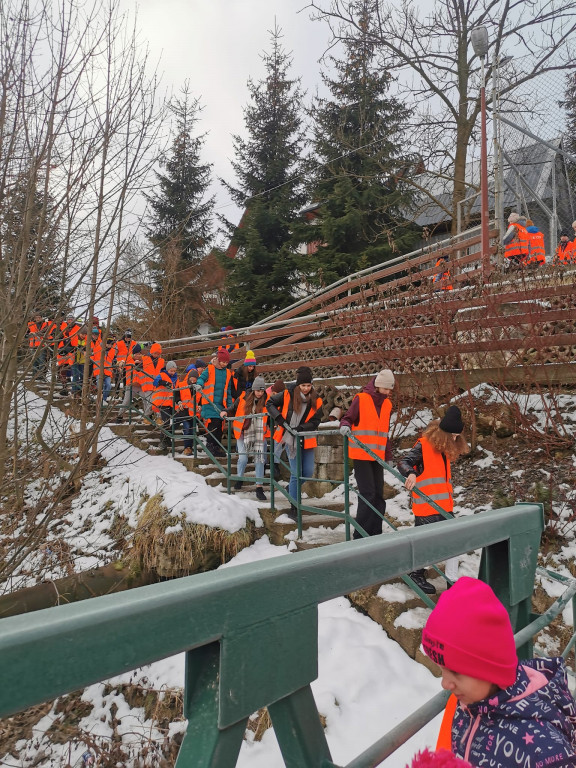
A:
(438, 72)
(79, 123)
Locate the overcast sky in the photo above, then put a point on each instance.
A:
(216, 45)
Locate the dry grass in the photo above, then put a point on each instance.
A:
(191, 549)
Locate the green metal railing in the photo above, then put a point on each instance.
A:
(250, 634)
(275, 487)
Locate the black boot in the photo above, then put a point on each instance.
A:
(420, 580)
(292, 513)
(260, 494)
(238, 484)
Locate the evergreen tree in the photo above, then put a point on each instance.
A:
(569, 139)
(180, 227)
(357, 131)
(262, 277)
(30, 242)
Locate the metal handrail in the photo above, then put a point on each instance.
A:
(250, 632)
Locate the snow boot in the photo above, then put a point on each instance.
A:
(260, 494)
(238, 484)
(420, 580)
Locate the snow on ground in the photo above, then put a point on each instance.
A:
(366, 683)
(129, 477)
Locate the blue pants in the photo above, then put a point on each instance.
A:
(243, 461)
(77, 376)
(306, 470)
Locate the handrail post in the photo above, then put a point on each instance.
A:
(173, 425)
(130, 398)
(299, 470)
(272, 466)
(346, 487)
(228, 456)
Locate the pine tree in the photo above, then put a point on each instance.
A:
(180, 226)
(569, 140)
(357, 131)
(262, 277)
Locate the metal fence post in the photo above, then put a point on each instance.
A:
(228, 456)
(299, 483)
(347, 487)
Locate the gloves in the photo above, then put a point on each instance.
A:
(345, 430)
(280, 421)
(197, 387)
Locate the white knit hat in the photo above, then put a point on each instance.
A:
(513, 218)
(385, 379)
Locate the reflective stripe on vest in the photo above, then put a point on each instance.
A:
(372, 429)
(65, 359)
(537, 248)
(123, 350)
(208, 388)
(163, 394)
(520, 245)
(151, 369)
(34, 329)
(309, 442)
(241, 411)
(435, 482)
(190, 401)
(101, 358)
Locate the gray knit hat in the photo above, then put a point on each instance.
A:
(171, 364)
(259, 383)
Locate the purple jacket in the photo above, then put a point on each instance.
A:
(531, 724)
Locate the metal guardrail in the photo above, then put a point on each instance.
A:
(250, 633)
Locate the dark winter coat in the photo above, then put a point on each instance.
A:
(274, 404)
(412, 462)
(243, 380)
(530, 724)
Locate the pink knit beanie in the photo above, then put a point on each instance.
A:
(440, 759)
(469, 632)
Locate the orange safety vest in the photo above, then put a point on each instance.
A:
(71, 334)
(372, 429)
(190, 400)
(102, 358)
(66, 358)
(229, 347)
(537, 248)
(565, 255)
(133, 375)
(163, 393)
(442, 277)
(309, 442)
(445, 733)
(151, 370)
(124, 350)
(239, 421)
(435, 481)
(51, 332)
(38, 331)
(208, 388)
(520, 245)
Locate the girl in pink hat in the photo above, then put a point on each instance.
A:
(509, 714)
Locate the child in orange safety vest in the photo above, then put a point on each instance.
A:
(300, 408)
(427, 467)
(165, 397)
(251, 433)
(188, 407)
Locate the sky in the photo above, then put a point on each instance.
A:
(217, 46)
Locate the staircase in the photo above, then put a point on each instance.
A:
(397, 609)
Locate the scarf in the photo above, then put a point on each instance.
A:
(288, 439)
(253, 434)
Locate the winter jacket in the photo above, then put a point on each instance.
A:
(310, 418)
(222, 393)
(243, 379)
(530, 724)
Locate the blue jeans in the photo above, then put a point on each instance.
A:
(186, 423)
(77, 376)
(106, 388)
(243, 461)
(307, 469)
